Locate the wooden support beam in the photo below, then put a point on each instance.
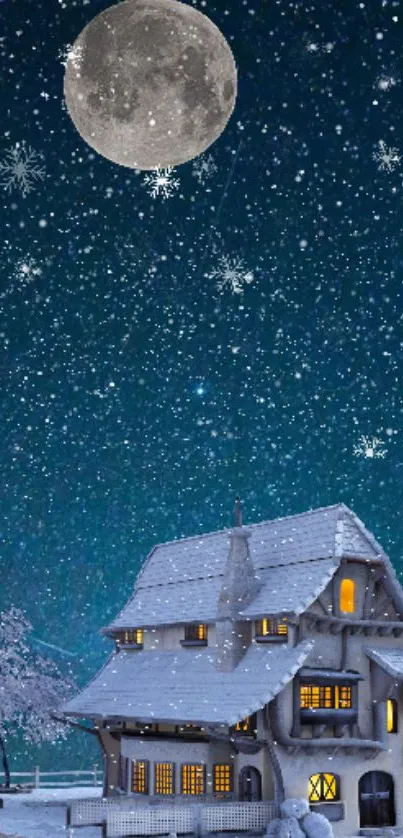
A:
(353, 625)
(384, 603)
(385, 631)
(325, 610)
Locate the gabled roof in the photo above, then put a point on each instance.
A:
(193, 690)
(391, 660)
(294, 559)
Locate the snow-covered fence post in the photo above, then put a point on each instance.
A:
(95, 774)
(37, 776)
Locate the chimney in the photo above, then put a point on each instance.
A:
(238, 512)
(238, 589)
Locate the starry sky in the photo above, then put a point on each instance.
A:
(241, 335)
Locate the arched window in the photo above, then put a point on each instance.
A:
(391, 715)
(323, 787)
(347, 595)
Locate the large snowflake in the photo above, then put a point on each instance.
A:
(387, 158)
(371, 447)
(20, 169)
(161, 182)
(27, 270)
(203, 168)
(231, 274)
(72, 53)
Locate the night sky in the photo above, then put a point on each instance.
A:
(141, 389)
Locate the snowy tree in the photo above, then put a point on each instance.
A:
(31, 688)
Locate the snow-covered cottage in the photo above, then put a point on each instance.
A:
(269, 668)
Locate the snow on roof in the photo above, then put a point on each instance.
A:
(294, 558)
(129, 686)
(391, 660)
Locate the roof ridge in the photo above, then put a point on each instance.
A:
(363, 531)
(227, 530)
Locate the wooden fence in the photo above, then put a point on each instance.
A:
(92, 777)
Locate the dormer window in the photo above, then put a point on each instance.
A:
(132, 638)
(195, 635)
(347, 596)
(391, 715)
(327, 703)
(271, 628)
(246, 727)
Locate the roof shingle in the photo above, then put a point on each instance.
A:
(193, 689)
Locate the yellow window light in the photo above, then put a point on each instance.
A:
(347, 596)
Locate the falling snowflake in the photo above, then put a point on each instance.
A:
(20, 168)
(231, 274)
(72, 53)
(387, 158)
(161, 182)
(315, 48)
(386, 83)
(369, 446)
(27, 270)
(203, 168)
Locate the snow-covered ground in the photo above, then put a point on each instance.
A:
(42, 814)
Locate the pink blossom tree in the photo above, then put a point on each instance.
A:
(31, 688)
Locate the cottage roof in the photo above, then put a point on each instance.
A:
(194, 691)
(294, 559)
(391, 660)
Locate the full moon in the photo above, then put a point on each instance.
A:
(150, 83)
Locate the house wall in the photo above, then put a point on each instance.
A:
(111, 750)
(296, 769)
(364, 576)
(168, 638)
(173, 750)
(164, 750)
(327, 653)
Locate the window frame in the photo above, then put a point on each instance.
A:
(322, 798)
(271, 628)
(246, 726)
(329, 696)
(347, 597)
(130, 639)
(195, 634)
(217, 768)
(141, 779)
(193, 779)
(162, 780)
(391, 715)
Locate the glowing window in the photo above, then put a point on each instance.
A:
(391, 715)
(333, 697)
(197, 631)
(247, 725)
(222, 778)
(132, 636)
(164, 778)
(323, 787)
(139, 776)
(271, 627)
(192, 779)
(347, 595)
